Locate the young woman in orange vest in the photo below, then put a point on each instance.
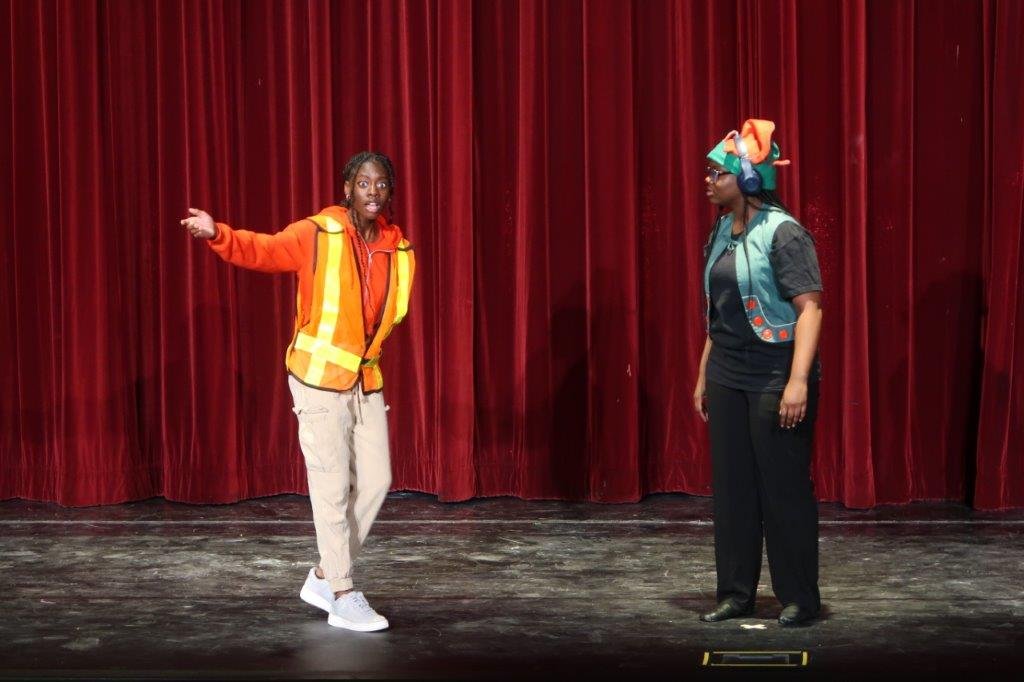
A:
(355, 273)
(757, 384)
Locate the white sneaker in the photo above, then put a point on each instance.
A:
(317, 592)
(353, 612)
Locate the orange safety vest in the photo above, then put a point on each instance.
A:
(330, 351)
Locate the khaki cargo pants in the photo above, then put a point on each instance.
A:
(344, 440)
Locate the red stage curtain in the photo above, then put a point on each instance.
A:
(550, 160)
(1000, 445)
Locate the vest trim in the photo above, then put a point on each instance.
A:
(329, 308)
(402, 256)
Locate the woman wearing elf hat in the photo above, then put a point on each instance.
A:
(757, 385)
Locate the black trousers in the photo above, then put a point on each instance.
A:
(761, 475)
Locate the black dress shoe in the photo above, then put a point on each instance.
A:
(794, 615)
(726, 610)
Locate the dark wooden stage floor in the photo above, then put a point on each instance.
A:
(492, 589)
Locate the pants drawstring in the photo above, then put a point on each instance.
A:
(359, 402)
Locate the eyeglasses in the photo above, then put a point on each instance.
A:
(714, 173)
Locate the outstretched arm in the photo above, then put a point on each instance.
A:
(284, 251)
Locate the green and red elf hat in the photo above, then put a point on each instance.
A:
(764, 154)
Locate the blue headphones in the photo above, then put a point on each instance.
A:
(748, 179)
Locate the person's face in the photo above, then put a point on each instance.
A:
(369, 191)
(722, 189)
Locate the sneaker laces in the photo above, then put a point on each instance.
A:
(360, 603)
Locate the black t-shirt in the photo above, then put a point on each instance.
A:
(738, 358)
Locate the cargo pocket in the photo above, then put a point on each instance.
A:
(310, 415)
(312, 432)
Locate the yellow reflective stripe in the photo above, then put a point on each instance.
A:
(332, 288)
(372, 362)
(332, 225)
(324, 352)
(402, 302)
(378, 377)
(329, 306)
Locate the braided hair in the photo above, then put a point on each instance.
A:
(770, 198)
(348, 174)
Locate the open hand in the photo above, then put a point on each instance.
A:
(793, 406)
(699, 399)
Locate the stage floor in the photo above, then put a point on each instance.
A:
(497, 588)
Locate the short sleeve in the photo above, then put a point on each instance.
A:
(794, 261)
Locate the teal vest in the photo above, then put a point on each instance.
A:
(772, 317)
